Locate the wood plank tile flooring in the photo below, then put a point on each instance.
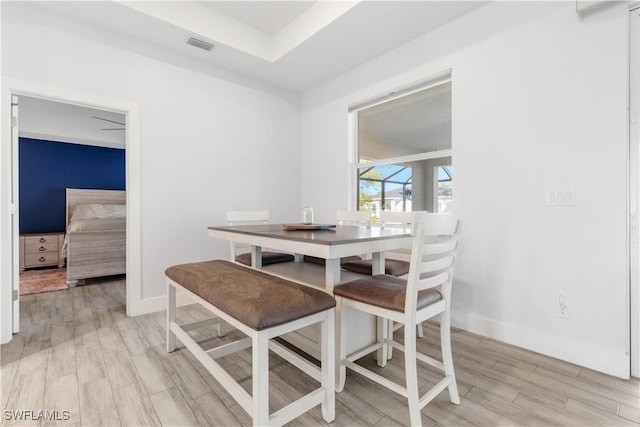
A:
(79, 352)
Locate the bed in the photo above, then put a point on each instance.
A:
(95, 242)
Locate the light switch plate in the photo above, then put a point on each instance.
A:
(561, 197)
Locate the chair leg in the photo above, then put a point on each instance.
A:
(342, 346)
(390, 347)
(171, 317)
(411, 372)
(447, 357)
(420, 331)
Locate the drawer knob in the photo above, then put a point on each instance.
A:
(42, 240)
(42, 259)
(42, 249)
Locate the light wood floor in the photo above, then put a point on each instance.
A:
(79, 352)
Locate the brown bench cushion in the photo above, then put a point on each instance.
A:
(268, 258)
(255, 298)
(393, 267)
(384, 291)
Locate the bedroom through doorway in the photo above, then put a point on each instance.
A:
(62, 146)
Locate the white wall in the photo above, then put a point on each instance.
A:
(210, 140)
(538, 103)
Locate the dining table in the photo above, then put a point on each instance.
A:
(328, 242)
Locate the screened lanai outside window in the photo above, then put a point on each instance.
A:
(403, 140)
(386, 188)
(445, 188)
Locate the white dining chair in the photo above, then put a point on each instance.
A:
(240, 253)
(343, 218)
(397, 261)
(361, 218)
(424, 294)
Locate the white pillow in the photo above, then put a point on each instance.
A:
(99, 211)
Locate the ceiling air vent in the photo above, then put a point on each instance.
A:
(200, 44)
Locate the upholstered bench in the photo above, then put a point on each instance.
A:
(261, 306)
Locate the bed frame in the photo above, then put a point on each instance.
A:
(94, 253)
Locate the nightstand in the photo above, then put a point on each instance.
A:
(41, 250)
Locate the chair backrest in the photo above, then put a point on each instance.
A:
(404, 220)
(353, 218)
(244, 218)
(392, 219)
(433, 255)
(247, 217)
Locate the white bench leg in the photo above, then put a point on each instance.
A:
(260, 379)
(222, 328)
(383, 333)
(342, 346)
(171, 317)
(328, 360)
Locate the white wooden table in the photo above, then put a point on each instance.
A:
(332, 245)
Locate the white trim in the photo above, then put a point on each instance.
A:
(14, 209)
(70, 140)
(133, 159)
(155, 304)
(600, 359)
(352, 125)
(633, 188)
(438, 154)
(399, 92)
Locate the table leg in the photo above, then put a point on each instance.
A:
(377, 266)
(256, 256)
(332, 274)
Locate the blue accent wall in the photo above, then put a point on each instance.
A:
(47, 169)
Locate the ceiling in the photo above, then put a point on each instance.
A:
(296, 45)
(267, 16)
(60, 122)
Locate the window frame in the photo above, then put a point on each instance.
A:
(356, 166)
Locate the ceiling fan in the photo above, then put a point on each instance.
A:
(110, 121)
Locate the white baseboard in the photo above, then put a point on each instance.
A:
(616, 363)
(152, 305)
(599, 359)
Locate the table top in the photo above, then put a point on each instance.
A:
(334, 236)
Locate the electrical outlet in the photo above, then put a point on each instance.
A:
(562, 309)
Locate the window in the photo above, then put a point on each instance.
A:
(403, 149)
(385, 187)
(444, 189)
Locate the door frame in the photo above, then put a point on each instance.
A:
(634, 189)
(9, 177)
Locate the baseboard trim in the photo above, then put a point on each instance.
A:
(583, 354)
(155, 304)
(616, 363)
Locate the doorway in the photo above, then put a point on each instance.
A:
(64, 146)
(12, 89)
